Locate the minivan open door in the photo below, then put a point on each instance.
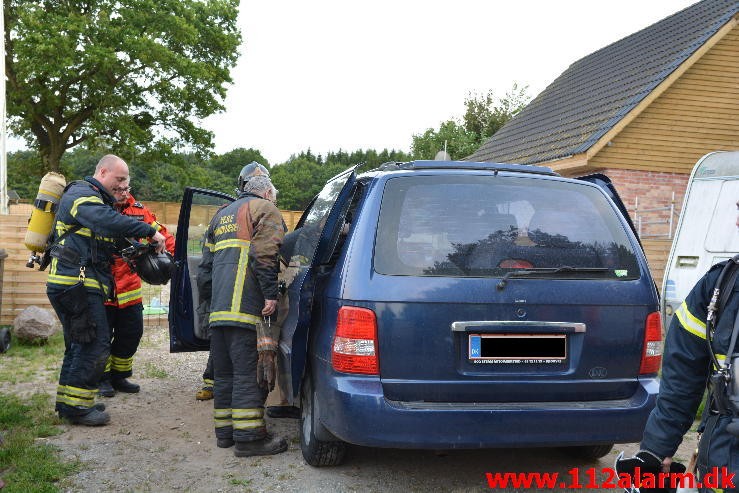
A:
(605, 183)
(187, 329)
(307, 248)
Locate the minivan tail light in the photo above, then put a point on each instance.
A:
(355, 343)
(651, 358)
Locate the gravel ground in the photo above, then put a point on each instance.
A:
(162, 440)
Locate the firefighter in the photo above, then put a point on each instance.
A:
(240, 257)
(206, 390)
(80, 280)
(126, 311)
(686, 367)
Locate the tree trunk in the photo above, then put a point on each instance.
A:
(51, 154)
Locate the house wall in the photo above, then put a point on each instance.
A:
(694, 116)
(651, 197)
(650, 160)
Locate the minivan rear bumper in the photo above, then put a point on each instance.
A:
(354, 410)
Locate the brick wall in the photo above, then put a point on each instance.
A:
(643, 191)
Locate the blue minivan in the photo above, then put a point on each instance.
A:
(445, 305)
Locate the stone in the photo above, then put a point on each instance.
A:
(35, 324)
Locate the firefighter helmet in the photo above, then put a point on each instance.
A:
(251, 169)
(154, 268)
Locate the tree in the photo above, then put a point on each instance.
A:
(484, 115)
(300, 179)
(24, 173)
(303, 176)
(230, 163)
(452, 135)
(125, 73)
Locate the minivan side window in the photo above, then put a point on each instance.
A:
(477, 226)
(315, 219)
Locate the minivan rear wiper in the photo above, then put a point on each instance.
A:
(546, 270)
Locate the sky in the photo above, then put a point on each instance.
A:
(339, 74)
(330, 75)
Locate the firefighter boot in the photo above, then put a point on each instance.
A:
(270, 445)
(224, 443)
(278, 412)
(204, 394)
(93, 418)
(123, 385)
(105, 388)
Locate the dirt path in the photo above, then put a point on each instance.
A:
(162, 440)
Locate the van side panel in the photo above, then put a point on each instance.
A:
(706, 233)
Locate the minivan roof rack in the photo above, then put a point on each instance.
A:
(421, 164)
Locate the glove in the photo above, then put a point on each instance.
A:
(267, 369)
(650, 466)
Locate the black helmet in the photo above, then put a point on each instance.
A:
(251, 169)
(154, 268)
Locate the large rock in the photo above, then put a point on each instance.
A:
(35, 324)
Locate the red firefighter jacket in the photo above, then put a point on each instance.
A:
(128, 283)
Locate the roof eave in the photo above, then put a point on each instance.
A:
(593, 145)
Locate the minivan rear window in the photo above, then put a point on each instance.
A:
(476, 226)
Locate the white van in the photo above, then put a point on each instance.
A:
(706, 233)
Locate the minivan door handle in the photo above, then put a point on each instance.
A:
(514, 326)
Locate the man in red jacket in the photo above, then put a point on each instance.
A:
(126, 312)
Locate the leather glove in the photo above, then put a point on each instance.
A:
(267, 369)
(650, 466)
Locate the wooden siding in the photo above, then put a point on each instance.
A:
(657, 252)
(694, 116)
(23, 287)
(168, 213)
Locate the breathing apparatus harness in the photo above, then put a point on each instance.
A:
(723, 382)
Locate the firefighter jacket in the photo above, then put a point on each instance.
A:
(686, 366)
(86, 203)
(240, 261)
(127, 282)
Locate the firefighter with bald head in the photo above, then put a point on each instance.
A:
(80, 281)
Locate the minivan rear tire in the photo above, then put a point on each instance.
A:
(317, 453)
(590, 452)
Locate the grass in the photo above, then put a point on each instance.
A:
(153, 371)
(26, 465)
(24, 362)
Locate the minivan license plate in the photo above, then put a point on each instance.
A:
(517, 348)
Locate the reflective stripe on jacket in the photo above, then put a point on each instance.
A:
(87, 203)
(686, 366)
(240, 265)
(127, 283)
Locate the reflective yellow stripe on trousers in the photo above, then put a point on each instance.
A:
(75, 396)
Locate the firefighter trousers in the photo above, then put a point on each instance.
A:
(208, 372)
(127, 327)
(83, 364)
(238, 401)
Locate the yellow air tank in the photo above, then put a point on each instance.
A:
(44, 209)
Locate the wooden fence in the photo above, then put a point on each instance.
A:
(22, 287)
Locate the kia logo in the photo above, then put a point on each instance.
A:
(598, 372)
